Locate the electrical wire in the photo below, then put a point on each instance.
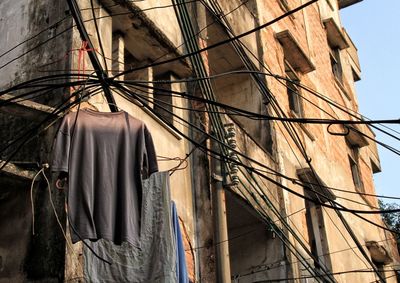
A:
(98, 36)
(298, 143)
(252, 169)
(218, 43)
(159, 102)
(145, 105)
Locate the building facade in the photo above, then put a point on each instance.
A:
(227, 89)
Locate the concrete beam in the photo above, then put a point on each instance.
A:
(27, 109)
(346, 3)
(12, 170)
(294, 54)
(335, 35)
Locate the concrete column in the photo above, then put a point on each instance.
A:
(118, 48)
(220, 221)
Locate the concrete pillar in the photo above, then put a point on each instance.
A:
(118, 48)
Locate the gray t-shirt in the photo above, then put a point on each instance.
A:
(106, 155)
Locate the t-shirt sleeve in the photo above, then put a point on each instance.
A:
(149, 154)
(61, 147)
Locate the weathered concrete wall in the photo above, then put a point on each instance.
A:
(30, 26)
(164, 17)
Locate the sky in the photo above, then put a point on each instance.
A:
(374, 27)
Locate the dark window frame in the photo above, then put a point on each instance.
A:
(293, 91)
(336, 63)
(355, 168)
(284, 4)
(162, 97)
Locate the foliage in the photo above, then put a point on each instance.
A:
(392, 220)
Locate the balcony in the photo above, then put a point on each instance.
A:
(295, 55)
(347, 3)
(373, 152)
(353, 56)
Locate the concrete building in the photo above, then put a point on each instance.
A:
(259, 212)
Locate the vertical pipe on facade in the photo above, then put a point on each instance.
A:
(221, 223)
(221, 229)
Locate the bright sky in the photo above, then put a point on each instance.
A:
(374, 28)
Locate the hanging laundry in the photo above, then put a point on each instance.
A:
(181, 269)
(154, 260)
(106, 156)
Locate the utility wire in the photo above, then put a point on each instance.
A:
(218, 43)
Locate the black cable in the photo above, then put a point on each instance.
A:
(250, 168)
(262, 64)
(63, 31)
(262, 175)
(160, 102)
(218, 43)
(103, 77)
(145, 105)
(98, 36)
(257, 116)
(33, 132)
(311, 276)
(294, 180)
(373, 223)
(34, 36)
(296, 139)
(55, 112)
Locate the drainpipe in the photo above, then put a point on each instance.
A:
(220, 221)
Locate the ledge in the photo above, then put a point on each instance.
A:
(346, 3)
(378, 252)
(11, 170)
(354, 136)
(302, 126)
(26, 109)
(314, 183)
(294, 54)
(335, 35)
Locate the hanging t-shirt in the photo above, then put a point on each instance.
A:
(106, 155)
(154, 260)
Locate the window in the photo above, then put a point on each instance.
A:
(314, 187)
(162, 97)
(310, 229)
(355, 171)
(284, 4)
(293, 90)
(316, 233)
(330, 5)
(336, 64)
